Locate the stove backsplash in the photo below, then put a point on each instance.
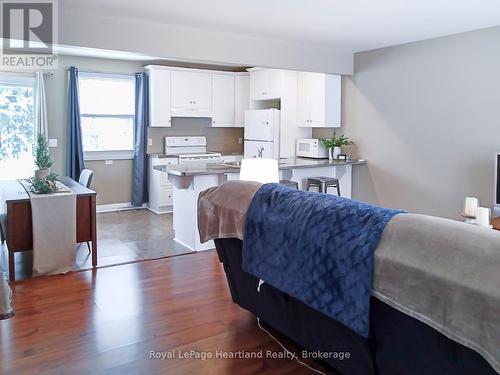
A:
(218, 139)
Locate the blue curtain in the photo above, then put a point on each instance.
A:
(74, 149)
(139, 178)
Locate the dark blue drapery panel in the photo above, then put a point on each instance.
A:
(74, 149)
(139, 179)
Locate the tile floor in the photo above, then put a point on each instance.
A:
(122, 237)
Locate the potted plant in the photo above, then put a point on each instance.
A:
(42, 157)
(334, 144)
(44, 185)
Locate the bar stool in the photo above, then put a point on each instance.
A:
(323, 183)
(292, 184)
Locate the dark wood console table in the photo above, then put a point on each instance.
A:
(16, 218)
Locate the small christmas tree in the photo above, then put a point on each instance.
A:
(42, 155)
(44, 181)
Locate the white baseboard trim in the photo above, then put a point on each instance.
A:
(183, 244)
(161, 212)
(113, 207)
(210, 245)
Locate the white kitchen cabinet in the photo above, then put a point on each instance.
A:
(159, 97)
(191, 94)
(265, 83)
(223, 98)
(159, 187)
(241, 98)
(319, 100)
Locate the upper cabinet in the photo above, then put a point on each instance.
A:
(191, 94)
(265, 83)
(307, 100)
(223, 98)
(159, 97)
(241, 98)
(319, 100)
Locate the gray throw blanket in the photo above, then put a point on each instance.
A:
(442, 272)
(446, 274)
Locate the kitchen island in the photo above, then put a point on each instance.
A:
(190, 179)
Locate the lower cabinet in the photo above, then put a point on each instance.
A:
(166, 196)
(160, 189)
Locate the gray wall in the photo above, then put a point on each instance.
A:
(426, 116)
(113, 182)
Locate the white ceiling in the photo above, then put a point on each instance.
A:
(346, 25)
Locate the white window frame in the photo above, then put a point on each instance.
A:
(17, 79)
(111, 154)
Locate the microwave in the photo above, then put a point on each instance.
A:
(311, 148)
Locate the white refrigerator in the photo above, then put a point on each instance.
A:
(262, 134)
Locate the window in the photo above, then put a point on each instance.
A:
(17, 129)
(107, 115)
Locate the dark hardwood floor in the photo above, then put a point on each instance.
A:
(106, 321)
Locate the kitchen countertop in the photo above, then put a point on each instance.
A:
(160, 155)
(206, 168)
(227, 153)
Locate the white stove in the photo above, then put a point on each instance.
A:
(190, 149)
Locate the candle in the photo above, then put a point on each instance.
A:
(483, 216)
(470, 206)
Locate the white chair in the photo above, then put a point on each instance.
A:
(260, 170)
(86, 180)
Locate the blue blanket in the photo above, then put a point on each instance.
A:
(317, 248)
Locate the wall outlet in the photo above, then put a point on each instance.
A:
(108, 162)
(240, 140)
(52, 142)
(150, 141)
